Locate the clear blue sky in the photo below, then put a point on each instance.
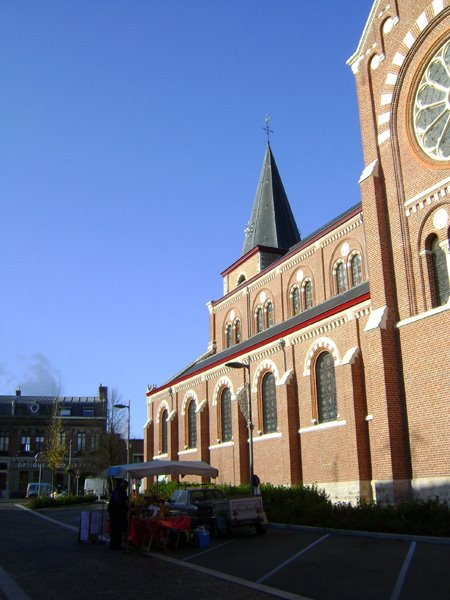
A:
(131, 144)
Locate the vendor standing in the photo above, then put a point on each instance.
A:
(118, 514)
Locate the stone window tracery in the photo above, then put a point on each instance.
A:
(431, 114)
(225, 415)
(269, 403)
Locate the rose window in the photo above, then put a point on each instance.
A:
(432, 107)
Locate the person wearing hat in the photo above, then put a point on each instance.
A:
(118, 514)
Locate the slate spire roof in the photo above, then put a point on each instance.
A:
(272, 223)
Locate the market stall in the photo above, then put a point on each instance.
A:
(150, 524)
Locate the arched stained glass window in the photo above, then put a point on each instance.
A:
(192, 425)
(355, 266)
(307, 292)
(440, 273)
(341, 278)
(259, 320)
(326, 388)
(228, 335)
(225, 415)
(269, 404)
(237, 331)
(163, 420)
(296, 301)
(269, 314)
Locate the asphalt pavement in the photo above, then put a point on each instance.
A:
(43, 560)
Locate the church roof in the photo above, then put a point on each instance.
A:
(272, 223)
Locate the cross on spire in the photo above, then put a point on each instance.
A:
(267, 129)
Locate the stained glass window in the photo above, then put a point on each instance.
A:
(355, 265)
(192, 425)
(228, 336)
(326, 388)
(440, 272)
(225, 415)
(296, 301)
(237, 331)
(259, 320)
(269, 314)
(164, 416)
(269, 404)
(341, 278)
(308, 295)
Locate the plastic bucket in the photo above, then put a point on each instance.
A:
(201, 537)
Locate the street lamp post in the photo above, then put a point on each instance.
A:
(248, 415)
(127, 406)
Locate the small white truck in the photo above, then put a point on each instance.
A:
(209, 507)
(95, 486)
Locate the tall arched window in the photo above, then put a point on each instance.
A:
(228, 335)
(307, 294)
(269, 404)
(237, 331)
(259, 320)
(355, 267)
(296, 301)
(439, 273)
(326, 388)
(225, 415)
(341, 278)
(192, 425)
(163, 420)
(269, 314)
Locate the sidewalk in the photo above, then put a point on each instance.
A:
(45, 561)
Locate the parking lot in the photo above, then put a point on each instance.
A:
(289, 562)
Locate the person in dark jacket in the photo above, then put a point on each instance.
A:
(118, 514)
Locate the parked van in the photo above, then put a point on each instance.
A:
(38, 489)
(95, 486)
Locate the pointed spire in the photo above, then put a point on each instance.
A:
(272, 223)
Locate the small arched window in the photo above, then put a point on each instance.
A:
(237, 331)
(164, 416)
(307, 293)
(241, 279)
(296, 301)
(341, 278)
(326, 388)
(269, 404)
(269, 314)
(225, 415)
(355, 267)
(192, 425)
(439, 276)
(259, 320)
(228, 335)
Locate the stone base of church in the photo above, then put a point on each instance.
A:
(425, 488)
(347, 491)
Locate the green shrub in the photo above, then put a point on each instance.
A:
(64, 500)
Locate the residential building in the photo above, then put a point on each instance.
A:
(24, 437)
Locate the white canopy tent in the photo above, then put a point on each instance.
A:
(154, 468)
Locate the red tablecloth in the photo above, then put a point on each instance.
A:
(139, 528)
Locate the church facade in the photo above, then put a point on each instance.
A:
(328, 358)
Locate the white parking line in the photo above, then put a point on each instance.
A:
(403, 571)
(286, 562)
(10, 588)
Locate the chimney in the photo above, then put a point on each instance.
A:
(103, 392)
(18, 392)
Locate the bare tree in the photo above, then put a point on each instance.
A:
(112, 450)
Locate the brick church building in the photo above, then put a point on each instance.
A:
(339, 339)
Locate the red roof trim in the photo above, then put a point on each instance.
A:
(315, 319)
